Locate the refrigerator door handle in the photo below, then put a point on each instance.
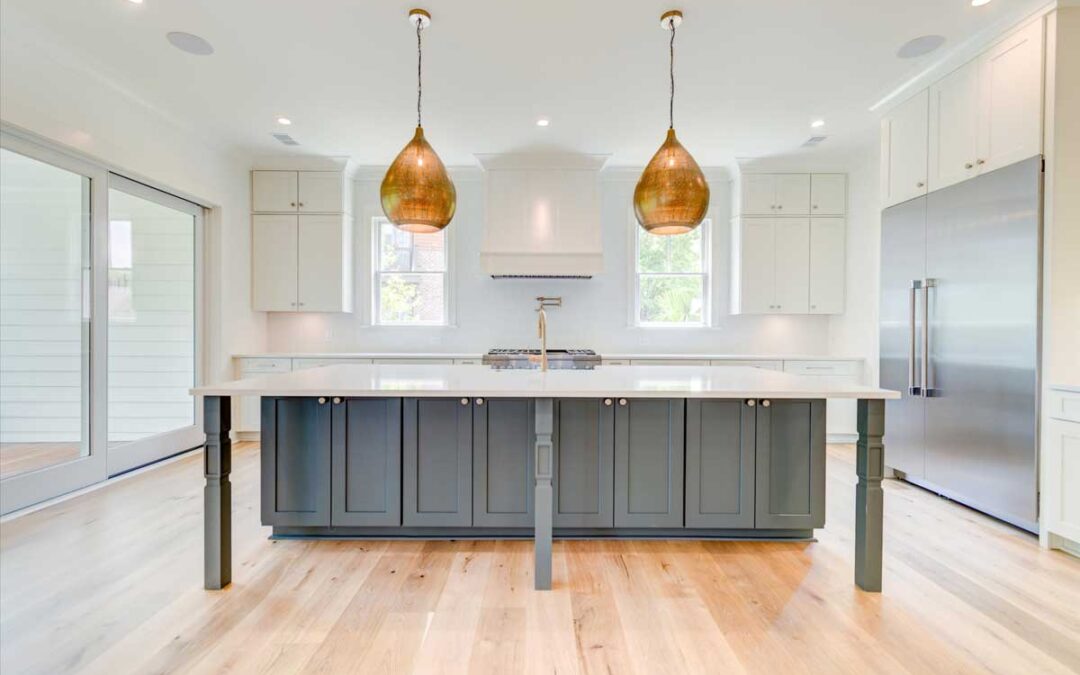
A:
(927, 372)
(913, 387)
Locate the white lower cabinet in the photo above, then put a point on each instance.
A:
(302, 263)
(1060, 467)
(764, 365)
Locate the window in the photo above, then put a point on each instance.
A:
(671, 278)
(410, 286)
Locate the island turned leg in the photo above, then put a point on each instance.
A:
(870, 467)
(217, 495)
(545, 420)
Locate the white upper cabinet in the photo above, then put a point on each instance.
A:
(273, 263)
(792, 194)
(758, 194)
(828, 194)
(982, 116)
(792, 267)
(274, 191)
(302, 252)
(321, 192)
(1010, 99)
(904, 135)
(827, 265)
(953, 134)
(299, 192)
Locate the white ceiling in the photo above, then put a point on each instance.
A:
(751, 74)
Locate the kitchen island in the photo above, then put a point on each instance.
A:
(451, 451)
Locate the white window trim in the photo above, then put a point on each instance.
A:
(706, 273)
(448, 305)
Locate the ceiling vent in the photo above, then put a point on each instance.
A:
(286, 139)
(814, 140)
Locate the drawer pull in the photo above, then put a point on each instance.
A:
(765, 403)
(622, 401)
(607, 401)
(337, 400)
(751, 402)
(464, 401)
(479, 401)
(322, 400)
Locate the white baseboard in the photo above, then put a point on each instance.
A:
(841, 438)
(245, 436)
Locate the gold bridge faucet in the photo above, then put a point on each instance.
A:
(542, 326)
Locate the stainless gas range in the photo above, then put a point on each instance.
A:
(563, 359)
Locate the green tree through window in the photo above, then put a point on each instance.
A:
(672, 278)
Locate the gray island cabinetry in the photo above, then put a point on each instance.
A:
(342, 466)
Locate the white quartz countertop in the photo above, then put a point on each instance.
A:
(476, 355)
(459, 380)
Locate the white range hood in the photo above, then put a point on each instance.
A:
(542, 216)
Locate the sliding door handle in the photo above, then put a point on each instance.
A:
(927, 382)
(913, 386)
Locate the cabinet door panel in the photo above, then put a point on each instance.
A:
(792, 266)
(273, 191)
(437, 462)
(719, 463)
(295, 440)
(827, 263)
(273, 263)
(649, 462)
(320, 192)
(1011, 88)
(904, 139)
(953, 110)
(758, 194)
(324, 284)
(503, 447)
(828, 194)
(793, 194)
(367, 462)
(790, 465)
(757, 267)
(584, 438)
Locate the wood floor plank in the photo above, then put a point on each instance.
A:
(110, 582)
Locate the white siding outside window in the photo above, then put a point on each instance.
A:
(410, 286)
(671, 278)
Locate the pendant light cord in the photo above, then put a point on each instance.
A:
(419, 63)
(671, 70)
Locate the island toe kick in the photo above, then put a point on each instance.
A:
(748, 468)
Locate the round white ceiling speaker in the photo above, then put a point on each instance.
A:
(920, 46)
(192, 44)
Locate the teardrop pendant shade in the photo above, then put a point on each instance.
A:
(672, 196)
(417, 193)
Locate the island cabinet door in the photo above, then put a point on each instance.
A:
(790, 458)
(366, 487)
(720, 463)
(504, 437)
(437, 462)
(584, 440)
(295, 439)
(649, 448)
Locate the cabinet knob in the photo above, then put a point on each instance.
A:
(464, 401)
(622, 401)
(301, 203)
(780, 206)
(968, 165)
(920, 184)
(322, 400)
(607, 401)
(980, 161)
(814, 206)
(337, 400)
(765, 403)
(751, 402)
(292, 203)
(813, 306)
(480, 401)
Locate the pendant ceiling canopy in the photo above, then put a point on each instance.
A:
(417, 193)
(672, 196)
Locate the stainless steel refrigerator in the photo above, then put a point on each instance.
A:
(960, 298)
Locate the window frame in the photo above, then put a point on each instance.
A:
(377, 223)
(706, 275)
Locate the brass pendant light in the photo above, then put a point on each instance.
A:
(672, 196)
(417, 194)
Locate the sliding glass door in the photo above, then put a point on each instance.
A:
(153, 294)
(100, 320)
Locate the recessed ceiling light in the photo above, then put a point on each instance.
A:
(979, 3)
(920, 46)
(192, 44)
(284, 121)
(543, 122)
(817, 124)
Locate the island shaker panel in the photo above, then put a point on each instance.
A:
(437, 462)
(790, 464)
(584, 439)
(720, 437)
(295, 461)
(503, 440)
(649, 445)
(366, 488)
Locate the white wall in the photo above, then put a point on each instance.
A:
(500, 313)
(69, 100)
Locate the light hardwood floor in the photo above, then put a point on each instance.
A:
(110, 582)
(16, 458)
